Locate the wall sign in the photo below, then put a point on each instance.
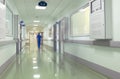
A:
(100, 24)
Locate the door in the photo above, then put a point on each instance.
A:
(56, 37)
(63, 33)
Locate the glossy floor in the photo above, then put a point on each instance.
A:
(46, 64)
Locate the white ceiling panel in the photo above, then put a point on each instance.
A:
(54, 10)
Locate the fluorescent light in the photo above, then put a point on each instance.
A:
(36, 21)
(35, 25)
(36, 76)
(82, 10)
(35, 67)
(40, 7)
(34, 62)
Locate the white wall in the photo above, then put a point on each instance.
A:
(116, 19)
(107, 57)
(2, 21)
(8, 45)
(6, 52)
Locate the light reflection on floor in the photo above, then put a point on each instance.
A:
(46, 64)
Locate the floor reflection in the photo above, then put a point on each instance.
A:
(46, 64)
(18, 72)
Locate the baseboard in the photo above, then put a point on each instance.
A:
(7, 63)
(98, 68)
(106, 42)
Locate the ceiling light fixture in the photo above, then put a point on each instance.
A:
(36, 21)
(40, 7)
(82, 10)
(36, 76)
(35, 67)
(35, 25)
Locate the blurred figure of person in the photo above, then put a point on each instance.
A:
(39, 37)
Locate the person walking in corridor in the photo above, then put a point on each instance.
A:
(39, 37)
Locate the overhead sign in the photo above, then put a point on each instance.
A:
(42, 3)
(22, 23)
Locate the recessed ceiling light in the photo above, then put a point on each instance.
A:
(36, 76)
(35, 67)
(36, 21)
(35, 25)
(82, 10)
(40, 7)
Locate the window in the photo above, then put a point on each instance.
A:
(80, 22)
(9, 22)
(2, 21)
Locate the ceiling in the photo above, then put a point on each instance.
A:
(54, 11)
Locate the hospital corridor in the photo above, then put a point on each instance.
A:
(59, 39)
